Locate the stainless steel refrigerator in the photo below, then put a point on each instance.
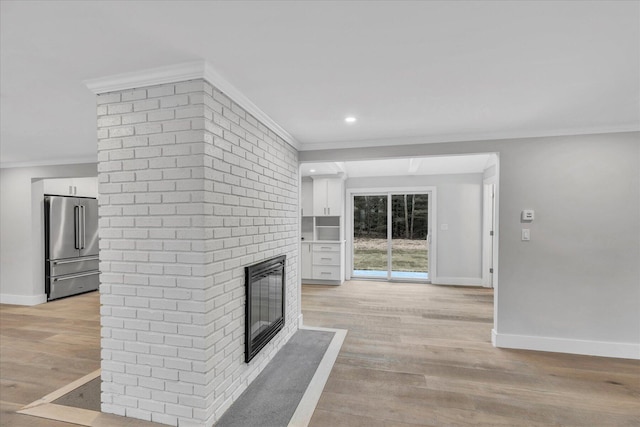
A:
(71, 245)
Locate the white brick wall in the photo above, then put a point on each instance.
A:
(192, 190)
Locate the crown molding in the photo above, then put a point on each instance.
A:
(148, 77)
(213, 77)
(182, 72)
(52, 162)
(436, 139)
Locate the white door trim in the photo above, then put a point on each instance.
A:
(488, 225)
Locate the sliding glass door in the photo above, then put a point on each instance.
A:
(409, 244)
(391, 236)
(370, 246)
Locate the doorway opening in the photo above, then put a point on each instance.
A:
(461, 248)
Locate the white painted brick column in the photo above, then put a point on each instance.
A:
(192, 190)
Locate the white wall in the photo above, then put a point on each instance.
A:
(575, 287)
(21, 249)
(459, 206)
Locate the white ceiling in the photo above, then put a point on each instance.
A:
(409, 71)
(435, 165)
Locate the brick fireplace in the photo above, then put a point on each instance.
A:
(193, 188)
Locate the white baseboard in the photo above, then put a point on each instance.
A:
(321, 282)
(457, 281)
(565, 345)
(23, 299)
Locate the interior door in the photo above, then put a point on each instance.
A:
(62, 222)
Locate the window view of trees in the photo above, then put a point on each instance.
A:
(409, 230)
(409, 215)
(370, 217)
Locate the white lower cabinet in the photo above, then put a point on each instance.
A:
(326, 272)
(326, 261)
(326, 258)
(322, 262)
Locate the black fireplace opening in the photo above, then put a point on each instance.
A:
(264, 308)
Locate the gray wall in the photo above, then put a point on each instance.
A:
(579, 276)
(19, 247)
(459, 205)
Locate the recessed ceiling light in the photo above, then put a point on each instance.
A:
(312, 170)
(350, 119)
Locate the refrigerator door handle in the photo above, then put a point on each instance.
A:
(76, 220)
(71, 261)
(75, 276)
(84, 228)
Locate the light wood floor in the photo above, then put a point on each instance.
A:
(44, 348)
(414, 355)
(422, 355)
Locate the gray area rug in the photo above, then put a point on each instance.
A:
(271, 398)
(87, 396)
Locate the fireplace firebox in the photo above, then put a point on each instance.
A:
(264, 309)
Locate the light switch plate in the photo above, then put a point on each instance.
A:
(526, 234)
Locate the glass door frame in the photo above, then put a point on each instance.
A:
(391, 191)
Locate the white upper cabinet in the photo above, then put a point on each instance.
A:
(334, 197)
(319, 197)
(81, 187)
(58, 187)
(327, 197)
(86, 187)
